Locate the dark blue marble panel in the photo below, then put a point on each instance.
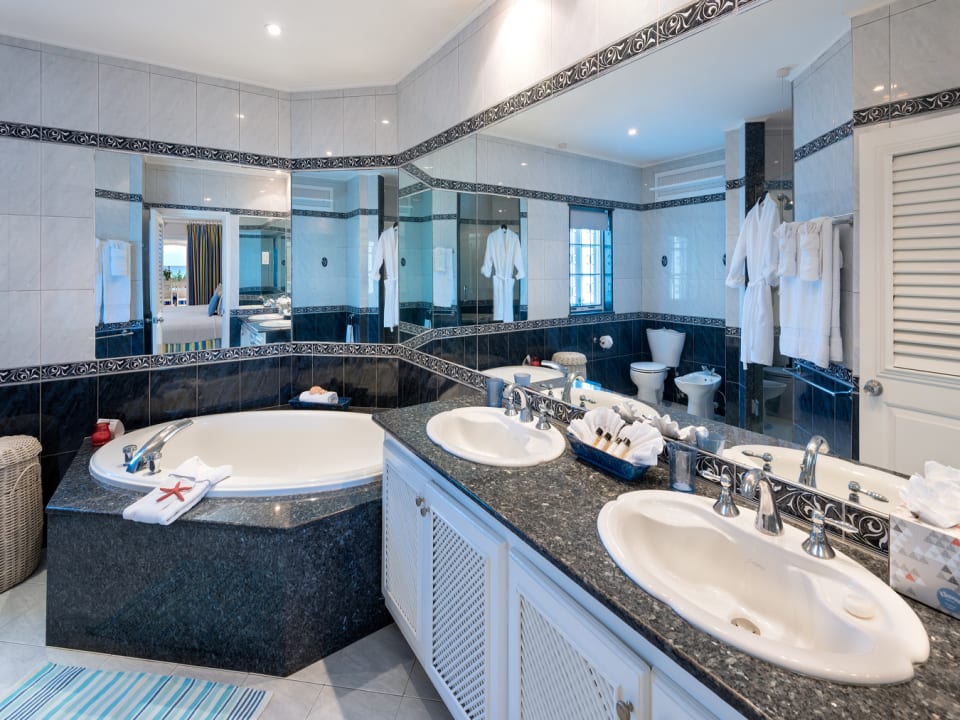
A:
(360, 381)
(329, 373)
(732, 414)
(709, 346)
(218, 387)
(388, 379)
(173, 393)
(448, 389)
(471, 351)
(20, 409)
(260, 383)
(843, 442)
(125, 396)
(304, 327)
(453, 350)
(68, 412)
(416, 385)
(499, 351)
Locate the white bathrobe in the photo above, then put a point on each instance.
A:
(501, 257)
(757, 245)
(387, 254)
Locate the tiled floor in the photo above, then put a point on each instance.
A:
(376, 678)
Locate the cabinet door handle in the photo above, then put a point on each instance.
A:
(624, 710)
(419, 500)
(424, 511)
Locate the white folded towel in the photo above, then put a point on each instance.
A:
(646, 443)
(809, 248)
(671, 428)
(934, 497)
(787, 239)
(183, 489)
(325, 398)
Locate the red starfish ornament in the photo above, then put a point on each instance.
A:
(177, 490)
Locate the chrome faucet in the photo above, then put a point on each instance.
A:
(808, 466)
(509, 391)
(554, 365)
(572, 377)
(755, 483)
(137, 458)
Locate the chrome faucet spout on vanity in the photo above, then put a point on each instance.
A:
(755, 483)
(510, 391)
(554, 365)
(808, 466)
(135, 458)
(572, 377)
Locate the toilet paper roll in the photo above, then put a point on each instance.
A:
(606, 342)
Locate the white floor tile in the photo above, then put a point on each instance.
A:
(231, 677)
(412, 708)
(29, 628)
(17, 662)
(345, 704)
(419, 684)
(291, 700)
(29, 597)
(380, 662)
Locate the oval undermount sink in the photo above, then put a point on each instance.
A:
(764, 595)
(264, 316)
(487, 436)
(277, 324)
(538, 373)
(833, 474)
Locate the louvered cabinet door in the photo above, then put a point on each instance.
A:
(564, 665)
(403, 501)
(467, 623)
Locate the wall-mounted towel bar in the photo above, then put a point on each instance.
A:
(803, 378)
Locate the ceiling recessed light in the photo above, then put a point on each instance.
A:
(329, 153)
(632, 131)
(523, 164)
(241, 116)
(206, 199)
(385, 121)
(273, 29)
(879, 88)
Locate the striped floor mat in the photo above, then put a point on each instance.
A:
(59, 692)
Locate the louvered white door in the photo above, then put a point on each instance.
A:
(467, 625)
(403, 533)
(910, 293)
(564, 665)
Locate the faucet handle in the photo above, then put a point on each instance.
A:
(542, 422)
(724, 505)
(153, 462)
(818, 545)
(128, 451)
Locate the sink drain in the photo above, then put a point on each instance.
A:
(745, 624)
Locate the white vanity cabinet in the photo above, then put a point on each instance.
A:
(500, 631)
(444, 583)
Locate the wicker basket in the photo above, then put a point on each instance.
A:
(21, 509)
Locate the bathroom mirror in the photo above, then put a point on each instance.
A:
(264, 258)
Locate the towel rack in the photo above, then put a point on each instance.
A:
(124, 333)
(843, 219)
(803, 378)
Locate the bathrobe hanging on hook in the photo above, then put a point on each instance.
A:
(756, 256)
(387, 254)
(500, 258)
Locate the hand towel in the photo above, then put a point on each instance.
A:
(328, 397)
(787, 239)
(646, 443)
(934, 497)
(184, 488)
(809, 250)
(119, 258)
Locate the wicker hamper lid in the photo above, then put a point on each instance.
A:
(569, 359)
(15, 449)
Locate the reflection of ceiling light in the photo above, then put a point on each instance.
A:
(240, 115)
(523, 164)
(329, 153)
(878, 88)
(262, 192)
(208, 199)
(385, 121)
(273, 29)
(500, 210)
(631, 132)
(272, 179)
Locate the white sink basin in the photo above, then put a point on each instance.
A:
(830, 619)
(485, 435)
(537, 373)
(593, 398)
(833, 474)
(277, 324)
(264, 316)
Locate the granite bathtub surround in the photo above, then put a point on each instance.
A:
(564, 532)
(264, 585)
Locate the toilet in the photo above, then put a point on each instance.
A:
(665, 348)
(699, 387)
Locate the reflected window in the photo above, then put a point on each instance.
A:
(591, 260)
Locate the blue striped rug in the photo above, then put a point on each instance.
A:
(58, 692)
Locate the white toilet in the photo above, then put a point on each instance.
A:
(665, 348)
(699, 387)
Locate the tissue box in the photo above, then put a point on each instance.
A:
(925, 562)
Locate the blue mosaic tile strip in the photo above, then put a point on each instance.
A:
(122, 196)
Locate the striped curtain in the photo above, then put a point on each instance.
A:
(204, 247)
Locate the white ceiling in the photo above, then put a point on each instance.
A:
(682, 99)
(325, 44)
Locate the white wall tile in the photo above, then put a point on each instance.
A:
(20, 176)
(924, 54)
(68, 180)
(22, 261)
(124, 101)
(327, 127)
(20, 331)
(824, 99)
(573, 30)
(871, 64)
(259, 124)
(67, 321)
(386, 133)
(70, 91)
(218, 122)
(824, 182)
(628, 295)
(283, 108)
(472, 65)
(618, 17)
(20, 95)
(359, 125)
(301, 118)
(67, 253)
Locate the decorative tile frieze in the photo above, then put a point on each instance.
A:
(69, 137)
(691, 17)
(124, 364)
(218, 155)
(732, 331)
(211, 208)
(824, 141)
(20, 131)
(336, 215)
(172, 149)
(736, 183)
(908, 107)
(122, 196)
(68, 370)
(173, 359)
(119, 142)
(837, 372)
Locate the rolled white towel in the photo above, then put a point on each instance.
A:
(328, 397)
(184, 488)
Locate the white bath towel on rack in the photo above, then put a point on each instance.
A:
(810, 265)
(114, 289)
(444, 278)
(787, 240)
(184, 488)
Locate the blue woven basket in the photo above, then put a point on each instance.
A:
(605, 461)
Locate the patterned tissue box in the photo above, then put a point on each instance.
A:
(925, 562)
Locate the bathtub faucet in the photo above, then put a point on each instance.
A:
(155, 444)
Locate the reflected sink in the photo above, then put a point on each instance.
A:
(764, 595)
(537, 372)
(589, 398)
(264, 316)
(833, 474)
(486, 435)
(275, 324)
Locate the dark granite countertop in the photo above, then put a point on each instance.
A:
(554, 508)
(79, 492)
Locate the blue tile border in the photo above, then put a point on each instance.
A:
(824, 141)
(114, 195)
(212, 208)
(335, 215)
(908, 107)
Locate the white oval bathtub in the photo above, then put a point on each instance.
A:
(276, 452)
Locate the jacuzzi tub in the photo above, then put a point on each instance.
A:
(278, 452)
